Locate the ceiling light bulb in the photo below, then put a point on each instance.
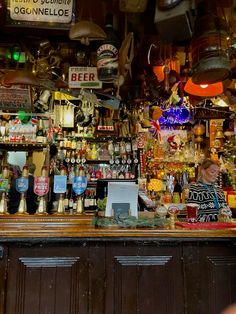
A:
(204, 85)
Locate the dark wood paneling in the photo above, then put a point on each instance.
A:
(210, 277)
(219, 276)
(144, 280)
(97, 283)
(47, 280)
(3, 276)
(118, 277)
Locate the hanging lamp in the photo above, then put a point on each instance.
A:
(86, 31)
(203, 90)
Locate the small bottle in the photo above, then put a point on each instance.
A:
(94, 154)
(71, 174)
(107, 54)
(40, 136)
(66, 202)
(71, 204)
(176, 197)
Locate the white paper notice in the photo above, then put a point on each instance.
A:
(122, 193)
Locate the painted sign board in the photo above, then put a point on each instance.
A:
(84, 77)
(13, 98)
(50, 11)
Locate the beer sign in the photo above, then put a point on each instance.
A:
(84, 77)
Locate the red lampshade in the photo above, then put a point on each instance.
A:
(203, 90)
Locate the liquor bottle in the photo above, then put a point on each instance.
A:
(66, 202)
(71, 203)
(40, 135)
(71, 174)
(87, 197)
(94, 154)
(107, 54)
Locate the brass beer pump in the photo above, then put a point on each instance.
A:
(60, 207)
(42, 208)
(22, 209)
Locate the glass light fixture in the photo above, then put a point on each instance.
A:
(203, 90)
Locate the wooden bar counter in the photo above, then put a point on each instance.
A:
(63, 264)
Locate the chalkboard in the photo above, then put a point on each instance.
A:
(13, 98)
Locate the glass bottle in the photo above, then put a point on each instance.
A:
(107, 54)
(40, 136)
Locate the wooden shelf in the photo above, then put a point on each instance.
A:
(22, 146)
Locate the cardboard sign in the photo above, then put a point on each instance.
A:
(84, 77)
(79, 185)
(22, 184)
(12, 98)
(59, 185)
(41, 185)
(59, 11)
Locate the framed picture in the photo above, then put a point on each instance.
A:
(15, 98)
(121, 209)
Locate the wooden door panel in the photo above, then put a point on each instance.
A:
(3, 276)
(47, 283)
(221, 281)
(210, 276)
(144, 280)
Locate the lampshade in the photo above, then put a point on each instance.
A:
(86, 31)
(203, 90)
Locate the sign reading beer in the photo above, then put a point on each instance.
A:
(51, 11)
(84, 77)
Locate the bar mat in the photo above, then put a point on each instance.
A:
(206, 225)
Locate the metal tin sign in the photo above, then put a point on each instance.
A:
(59, 185)
(57, 11)
(3, 185)
(79, 185)
(84, 77)
(41, 185)
(22, 184)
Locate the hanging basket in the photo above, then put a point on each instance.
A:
(133, 6)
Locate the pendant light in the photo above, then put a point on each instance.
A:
(203, 90)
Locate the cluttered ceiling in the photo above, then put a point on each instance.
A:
(164, 44)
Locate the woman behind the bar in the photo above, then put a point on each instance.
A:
(206, 193)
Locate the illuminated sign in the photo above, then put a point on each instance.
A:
(51, 11)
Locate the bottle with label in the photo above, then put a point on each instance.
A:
(40, 135)
(107, 54)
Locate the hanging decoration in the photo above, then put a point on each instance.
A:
(175, 115)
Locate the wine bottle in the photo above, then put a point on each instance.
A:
(40, 136)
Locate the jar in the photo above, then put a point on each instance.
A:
(176, 197)
(167, 197)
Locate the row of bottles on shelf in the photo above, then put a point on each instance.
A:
(102, 171)
(87, 201)
(15, 131)
(116, 152)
